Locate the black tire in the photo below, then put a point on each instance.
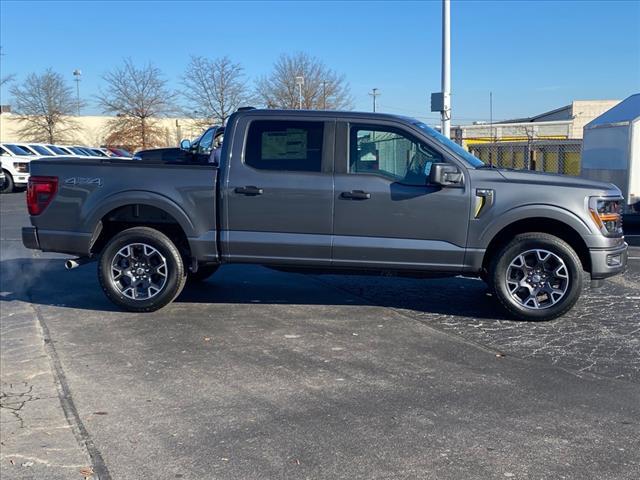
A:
(204, 272)
(173, 275)
(8, 186)
(545, 310)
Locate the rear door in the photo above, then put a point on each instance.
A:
(387, 215)
(279, 191)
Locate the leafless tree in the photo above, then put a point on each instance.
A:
(214, 89)
(6, 79)
(530, 160)
(44, 105)
(323, 88)
(137, 97)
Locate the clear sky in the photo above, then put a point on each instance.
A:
(534, 56)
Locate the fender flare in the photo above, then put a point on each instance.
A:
(526, 212)
(95, 213)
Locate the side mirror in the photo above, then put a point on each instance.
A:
(445, 175)
(185, 144)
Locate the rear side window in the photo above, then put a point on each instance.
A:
(285, 145)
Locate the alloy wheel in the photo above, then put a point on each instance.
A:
(537, 279)
(139, 271)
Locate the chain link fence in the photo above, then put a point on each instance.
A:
(553, 156)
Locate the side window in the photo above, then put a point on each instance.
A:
(390, 153)
(205, 143)
(285, 145)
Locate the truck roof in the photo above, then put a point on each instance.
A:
(324, 113)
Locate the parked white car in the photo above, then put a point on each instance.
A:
(15, 164)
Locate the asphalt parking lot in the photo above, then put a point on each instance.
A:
(261, 374)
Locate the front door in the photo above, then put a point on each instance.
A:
(386, 213)
(279, 194)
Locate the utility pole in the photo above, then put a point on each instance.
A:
(300, 83)
(446, 69)
(324, 95)
(374, 93)
(491, 129)
(77, 74)
(491, 114)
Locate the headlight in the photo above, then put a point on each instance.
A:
(606, 213)
(22, 167)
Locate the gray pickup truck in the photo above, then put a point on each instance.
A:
(331, 192)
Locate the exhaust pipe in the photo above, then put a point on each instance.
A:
(76, 262)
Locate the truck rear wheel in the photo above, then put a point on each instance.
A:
(536, 276)
(141, 270)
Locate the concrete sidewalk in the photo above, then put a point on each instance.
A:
(39, 439)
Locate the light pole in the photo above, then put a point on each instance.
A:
(300, 83)
(374, 93)
(77, 73)
(446, 70)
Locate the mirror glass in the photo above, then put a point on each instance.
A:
(185, 144)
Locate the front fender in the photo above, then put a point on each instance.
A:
(498, 223)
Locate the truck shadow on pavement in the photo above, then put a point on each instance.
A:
(46, 282)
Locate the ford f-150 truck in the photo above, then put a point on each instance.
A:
(328, 192)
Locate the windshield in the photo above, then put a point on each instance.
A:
(18, 150)
(41, 150)
(98, 153)
(450, 144)
(78, 151)
(121, 152)
(57, 150)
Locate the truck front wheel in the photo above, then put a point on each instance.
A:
(141, 270)
(536, 276)
(7, 186)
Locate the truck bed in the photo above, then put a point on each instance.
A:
(92, 190)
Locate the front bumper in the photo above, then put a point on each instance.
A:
(607, 262)
(21, 179)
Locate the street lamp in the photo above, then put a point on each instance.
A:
(300, 83)
(375, 93)
(77, 73)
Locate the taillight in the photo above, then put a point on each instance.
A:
(40, 192)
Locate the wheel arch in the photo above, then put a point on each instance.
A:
(150, 210)
(551, 226)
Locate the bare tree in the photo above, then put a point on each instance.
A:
(214, 89)
(530, 160)
(323, 88)
(137, 97)
(44, 105)
(6, 79)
